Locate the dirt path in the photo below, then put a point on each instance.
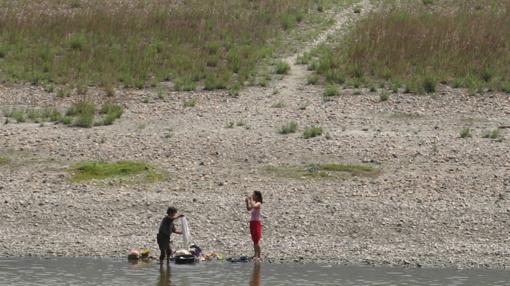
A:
(440, 200)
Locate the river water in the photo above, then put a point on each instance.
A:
(90, 271)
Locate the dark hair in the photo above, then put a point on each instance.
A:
(171, 210)
(258, 196)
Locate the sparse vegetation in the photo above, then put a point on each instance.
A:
(279, 104)
(190, 102)
(465, 133)
(36, 115)
(331, 90)
(80, 114)
(492, 134)
(312, 132)
(384, 96)
(325, 171)
(282, 67)
(288, 128)
(4, 160)
(99, 170)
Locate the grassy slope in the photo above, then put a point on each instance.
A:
(465, 44)
(83, 42)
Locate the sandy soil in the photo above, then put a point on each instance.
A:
(440, 200)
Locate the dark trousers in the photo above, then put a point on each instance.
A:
(164, 246)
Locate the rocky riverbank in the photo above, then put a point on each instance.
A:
(439, 199)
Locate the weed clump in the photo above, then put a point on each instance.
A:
(288, 128)
(282, 67)
(465, 133)
(312, 132)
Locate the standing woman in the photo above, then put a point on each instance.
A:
(254, 204)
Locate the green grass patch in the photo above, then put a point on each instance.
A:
(282, 67)
(98, 170)
(288, 128)
(331, 90)
(493, 134)
(4, 160)
(312, 132)
(319, 171)
(190, 103)
(36, 115)
(461, 43)
(465, 133)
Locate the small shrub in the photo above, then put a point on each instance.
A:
(67, 120)
(331, 90)
(312, 79)
(4, 160)
(279, 104)
(230, 124)
(77, 42)
(190, 102)
(234, 90)
(63, 92)
(312, 132)
(111, 112)
(213, 82)
(81, 107)
(465, 133)
(384, 96)
(288, 128)
(55, 115)
(18, 115)
(304, 59)
(429, 84)
(282, 67)
(110, 91)
(85, 120)
(82, 89)
(184, 84)
(428, 2)
(492, 134)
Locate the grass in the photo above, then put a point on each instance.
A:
(190, 103)
(282, 67)
(279, 104)
(106, 43)
(460, 43)
(492, 134)
(80, 114)
(312, 132)
(331, 90)
(111, 112)
(322, 171)
(465, 133)
(99, 170)
(36, 115)
(384, 96)
(4, 160)
(288, 128)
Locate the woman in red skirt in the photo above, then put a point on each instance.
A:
(254, 204)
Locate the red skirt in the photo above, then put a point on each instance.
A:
(256, 231)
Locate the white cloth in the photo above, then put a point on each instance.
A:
(186, 236)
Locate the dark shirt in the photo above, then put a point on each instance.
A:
(167, 226)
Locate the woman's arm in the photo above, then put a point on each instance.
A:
(251, 204)
(247, 200)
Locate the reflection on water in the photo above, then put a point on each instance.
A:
(255, 276)
(89, 271)
(164, 275)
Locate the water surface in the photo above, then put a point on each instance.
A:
(90, 271)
